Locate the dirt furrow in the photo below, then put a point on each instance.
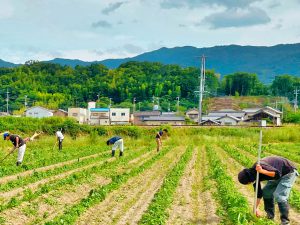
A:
(135, 194)
(193, 204)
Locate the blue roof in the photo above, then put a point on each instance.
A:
(99, 109)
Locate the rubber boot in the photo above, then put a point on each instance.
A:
(112, 153)
(269, 208)
(121, 154)
(284, 212)
(18, 163)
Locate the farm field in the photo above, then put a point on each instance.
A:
(192, 180)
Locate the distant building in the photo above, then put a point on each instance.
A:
(60, 113)
(266, 113)
(99, 116)
(119, 115)
(80, 114)
(193, 114)
(228, 120)
(159, 120)
(234, 117)
(4, 114)
(230, 112)
(138, 117)
(38, 112)
(209, 122)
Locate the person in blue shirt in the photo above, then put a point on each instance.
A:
(117, 142)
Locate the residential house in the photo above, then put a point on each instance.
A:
(229, 120)
(38, 112)
(119, 116)
(266, 113)
(4, 114)
(209, 122)
(230, 112)
(80, 114)
(138, 117)
(159, 120)
(193, 114)
(99, 116)
(60, 113)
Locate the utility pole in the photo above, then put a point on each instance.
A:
(169, 106)
(201, 88)
(177, 104)
(7, 99)
(139, 106)
(133, 110)
(25, 102)
(296, 92)
(109, 102)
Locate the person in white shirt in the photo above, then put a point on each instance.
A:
(60, 138)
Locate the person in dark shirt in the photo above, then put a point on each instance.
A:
(117, 142)
(281, 175)
(17, 142)
(158, 139)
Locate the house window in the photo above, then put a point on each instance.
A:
(35, 113)
(122, 114)
(74, 114)
(30, 113)
(113, 114)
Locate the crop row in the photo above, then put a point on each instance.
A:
(235, 205)
(76, 178)
(39, 175)
(156, 212)
(99, 194)
(245, 161)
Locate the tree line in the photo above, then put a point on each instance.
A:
(55, 86)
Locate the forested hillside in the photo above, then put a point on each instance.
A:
(55, 86)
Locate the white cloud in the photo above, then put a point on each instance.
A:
(6, 9)
(237, 18)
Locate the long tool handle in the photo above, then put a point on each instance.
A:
(257, 175)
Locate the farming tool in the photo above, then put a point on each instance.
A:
(262, 124)
(26, 140)
(11, 151)
(54, 145)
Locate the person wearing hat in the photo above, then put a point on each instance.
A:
(280, 174)
(19, 143)
(117, 142)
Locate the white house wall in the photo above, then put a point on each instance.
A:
(38, 112)
(119, 115)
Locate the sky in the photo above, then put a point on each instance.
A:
(92, 30)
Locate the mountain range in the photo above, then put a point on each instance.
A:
(266, 62)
